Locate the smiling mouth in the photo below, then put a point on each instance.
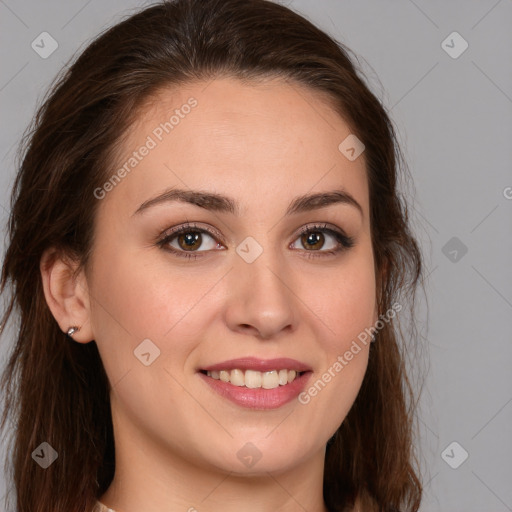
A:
(253, 379)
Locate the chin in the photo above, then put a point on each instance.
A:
(259, 458)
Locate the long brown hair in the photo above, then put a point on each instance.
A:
(57, 391)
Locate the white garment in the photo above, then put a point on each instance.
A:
(99, 507)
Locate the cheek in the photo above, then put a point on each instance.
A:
(349, 308)
(135, 300)
(345, 305)
(145, 299)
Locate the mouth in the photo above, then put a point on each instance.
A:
(253, 379)
(257, 383)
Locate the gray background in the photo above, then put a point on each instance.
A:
(455, 125)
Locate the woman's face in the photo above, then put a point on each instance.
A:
(245, 159)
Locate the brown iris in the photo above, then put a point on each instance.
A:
(190, 240)
(313, 238)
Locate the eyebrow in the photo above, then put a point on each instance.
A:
(219, 203)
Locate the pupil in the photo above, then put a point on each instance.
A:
(313, 238)
(191, 239)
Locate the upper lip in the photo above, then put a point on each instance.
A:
(261, 365)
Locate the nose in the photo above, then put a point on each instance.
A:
(261, 301)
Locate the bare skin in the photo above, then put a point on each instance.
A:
(177, 440)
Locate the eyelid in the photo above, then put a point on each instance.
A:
(345, 242)
(321, 226)
(190, 226)
(212, 231)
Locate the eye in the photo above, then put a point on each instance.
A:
(313, 239)
(187, 239)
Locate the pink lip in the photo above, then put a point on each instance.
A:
(258, 398)
(260, 365)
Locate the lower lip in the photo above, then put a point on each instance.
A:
(258, 398)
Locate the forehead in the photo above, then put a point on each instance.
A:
(266, 140)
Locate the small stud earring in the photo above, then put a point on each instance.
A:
(72, 331)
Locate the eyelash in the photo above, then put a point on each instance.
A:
(345, 242)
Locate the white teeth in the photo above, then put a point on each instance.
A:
(270, 380)
(253, 379)
(237, 378)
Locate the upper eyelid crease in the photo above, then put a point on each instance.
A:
(220, 203)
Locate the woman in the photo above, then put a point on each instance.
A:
(209, 253)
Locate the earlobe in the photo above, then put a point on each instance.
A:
(66, 294)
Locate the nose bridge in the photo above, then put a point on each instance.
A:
(261, 294)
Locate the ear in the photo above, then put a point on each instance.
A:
(67, 294)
